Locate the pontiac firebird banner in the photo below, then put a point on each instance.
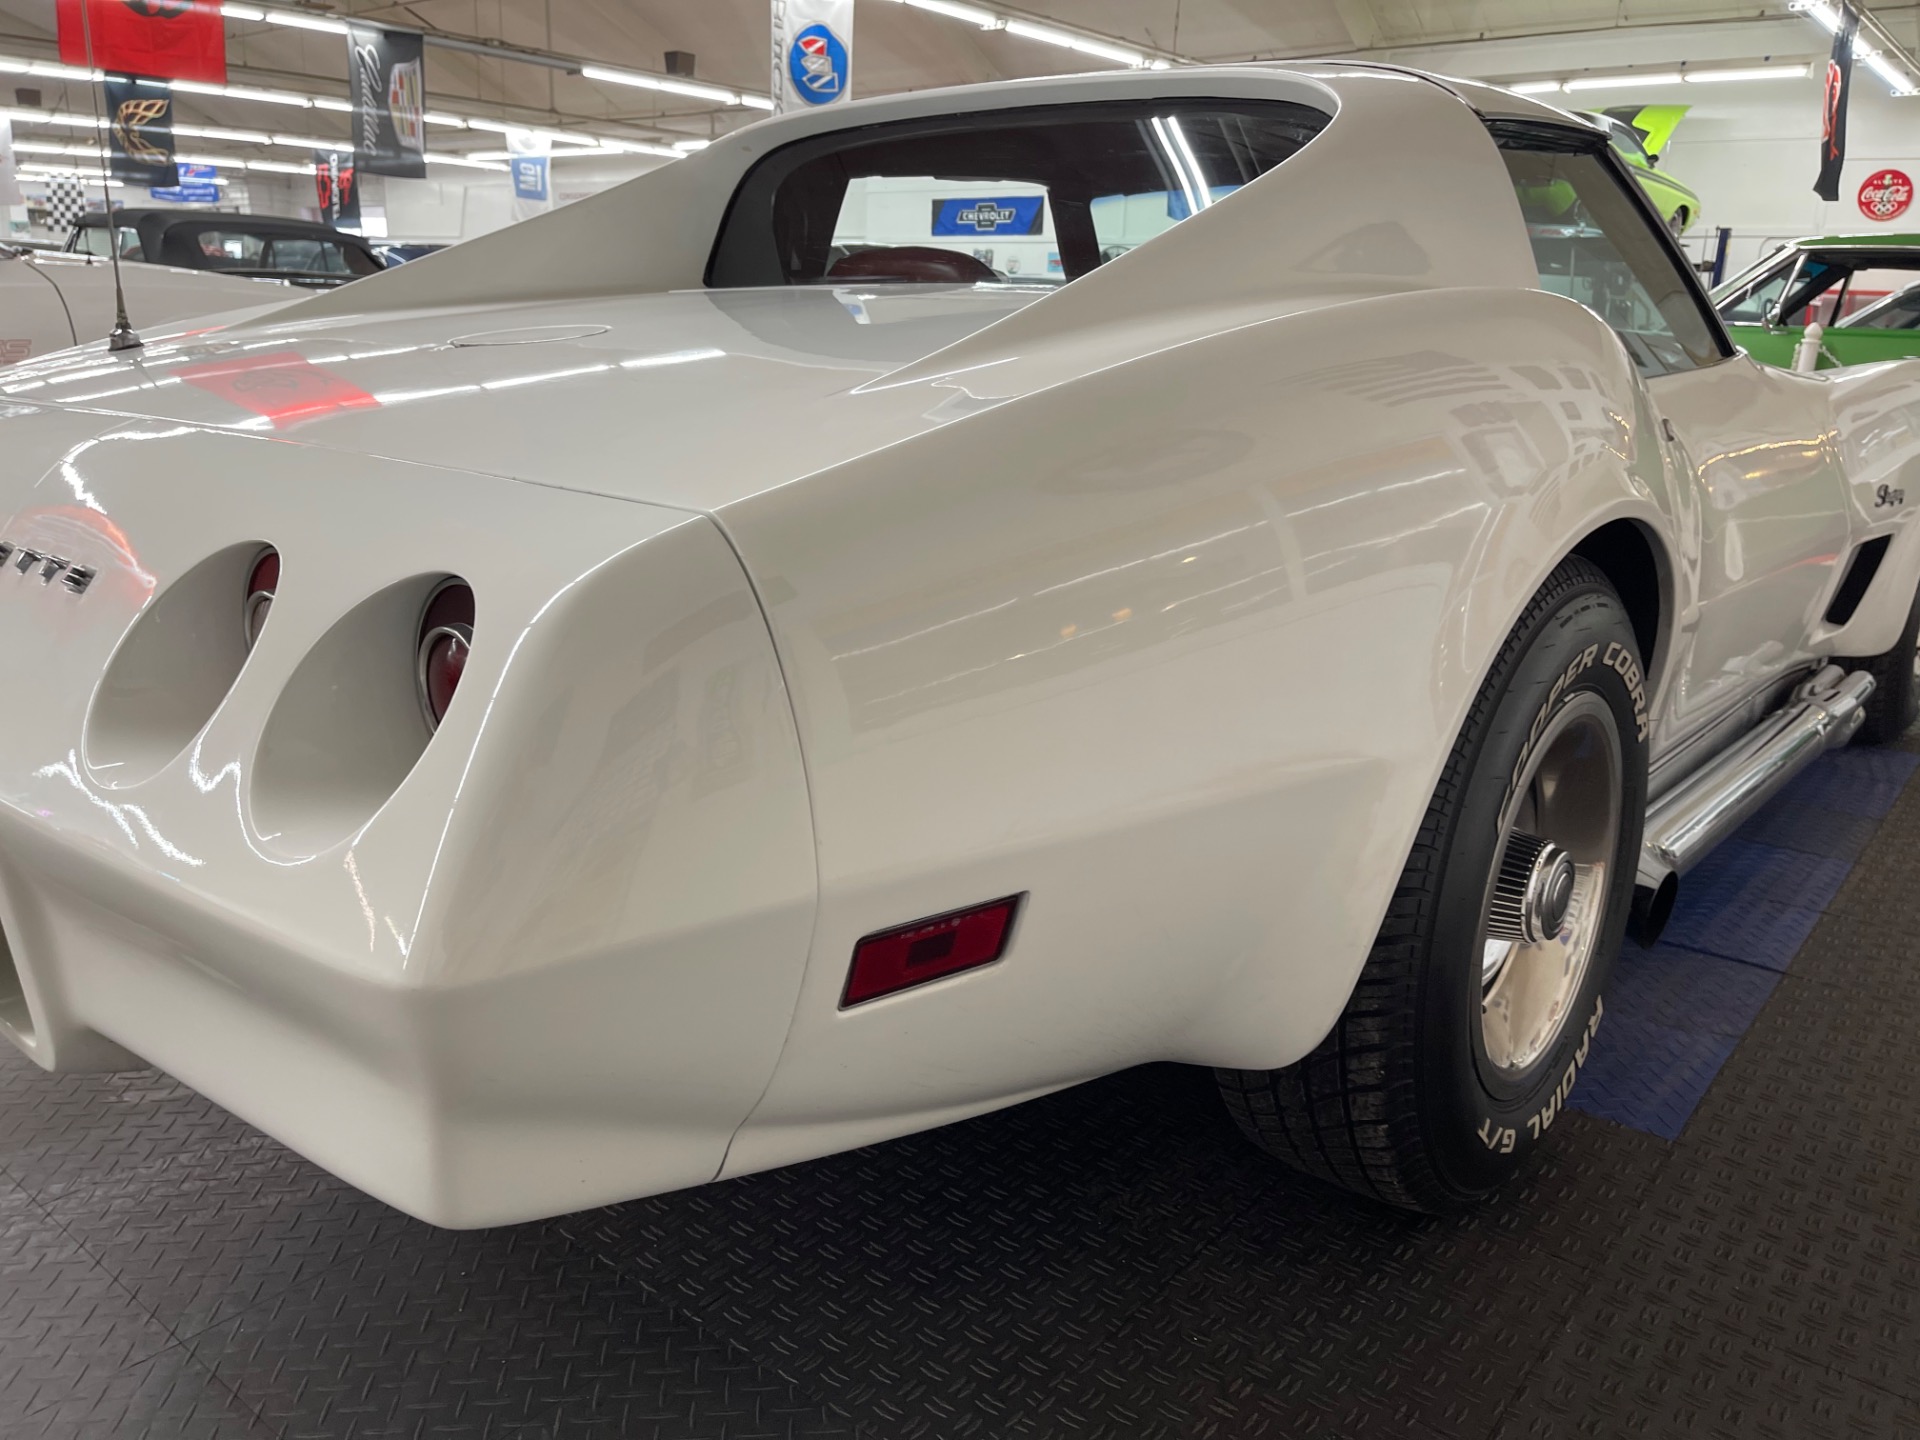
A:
(1010, 215)
(812, 52)
(1833, 128)
(140, 132)
(173, 39)
(386, 75)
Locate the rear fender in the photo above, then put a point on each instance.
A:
(1178, 649)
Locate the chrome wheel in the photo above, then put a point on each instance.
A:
(1547, 898)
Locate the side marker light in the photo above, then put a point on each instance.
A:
(930, 949)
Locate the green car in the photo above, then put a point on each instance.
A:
(1864, 289)
(1638, 134)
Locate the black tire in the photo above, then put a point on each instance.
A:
(1677, 222)
(1895, 702)
(1397, 1103)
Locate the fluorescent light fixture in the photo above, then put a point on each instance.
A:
(636, 147)
(970, 14)
(692, 89)
(1536, 87)
(243, 92)
(756, 102)
(686, 145)
(1067, 40)
(1622, 82)
(435, 117)
(310, 142)
(296, 21)
(561, 153)
(277, 167)
(242, 12)
(463, 161)
(1822, 15)
(40, 117)
(215, 132)
(1899, 83)
(1757, 72)
(53, 70)
(327, 102)
(1827, 17)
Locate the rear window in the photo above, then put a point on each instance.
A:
(1001, 197)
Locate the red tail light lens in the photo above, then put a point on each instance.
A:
(446, 635)
(929, 949)
(262, 581)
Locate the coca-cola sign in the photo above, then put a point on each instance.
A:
(1886, 194)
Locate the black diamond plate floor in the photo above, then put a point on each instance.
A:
(1112, 1261)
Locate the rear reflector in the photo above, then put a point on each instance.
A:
(929, 949)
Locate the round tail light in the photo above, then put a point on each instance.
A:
(262, 581)
(446, 634)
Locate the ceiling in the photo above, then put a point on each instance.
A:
(898, 48)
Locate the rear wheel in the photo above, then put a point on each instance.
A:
(1477, 1005)
(1895, 702)
(1677, 222)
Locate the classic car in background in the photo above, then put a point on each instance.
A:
(531, 735)
(300, 252)
(400, 253)
(1639, 134)
(50, 300)
(1860, 288)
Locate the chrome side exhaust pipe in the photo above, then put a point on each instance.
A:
(1685, 824)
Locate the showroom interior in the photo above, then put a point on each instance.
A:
(755, 719)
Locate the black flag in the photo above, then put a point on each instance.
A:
(140, 131)
(1833, 137)
(386, 73)
(336, 189)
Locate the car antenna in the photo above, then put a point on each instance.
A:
(122, 336)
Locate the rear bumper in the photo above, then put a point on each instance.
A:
(542, 960)
(584, 1083)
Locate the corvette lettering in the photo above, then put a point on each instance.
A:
(23, 561)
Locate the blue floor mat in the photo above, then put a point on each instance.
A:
(1675, 1013)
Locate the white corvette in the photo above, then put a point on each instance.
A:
(719, 674)
(49, 301)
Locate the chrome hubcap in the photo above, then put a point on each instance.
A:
(1547, 897)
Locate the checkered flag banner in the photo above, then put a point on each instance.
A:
(66, 202)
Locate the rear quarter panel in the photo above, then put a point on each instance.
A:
(1178, 649)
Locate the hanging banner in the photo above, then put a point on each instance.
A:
(196, 187)
(9, 174)
(335, 189)
(172, 39)
(1833, 128)
(812, 52)
(531, 171)
(386, 72)
(66, 202)
(140, 131)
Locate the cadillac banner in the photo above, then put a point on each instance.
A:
(386, 71)
(140, 131)
(812, 52)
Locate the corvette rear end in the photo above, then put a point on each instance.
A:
(438, 955)
(531, 736)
